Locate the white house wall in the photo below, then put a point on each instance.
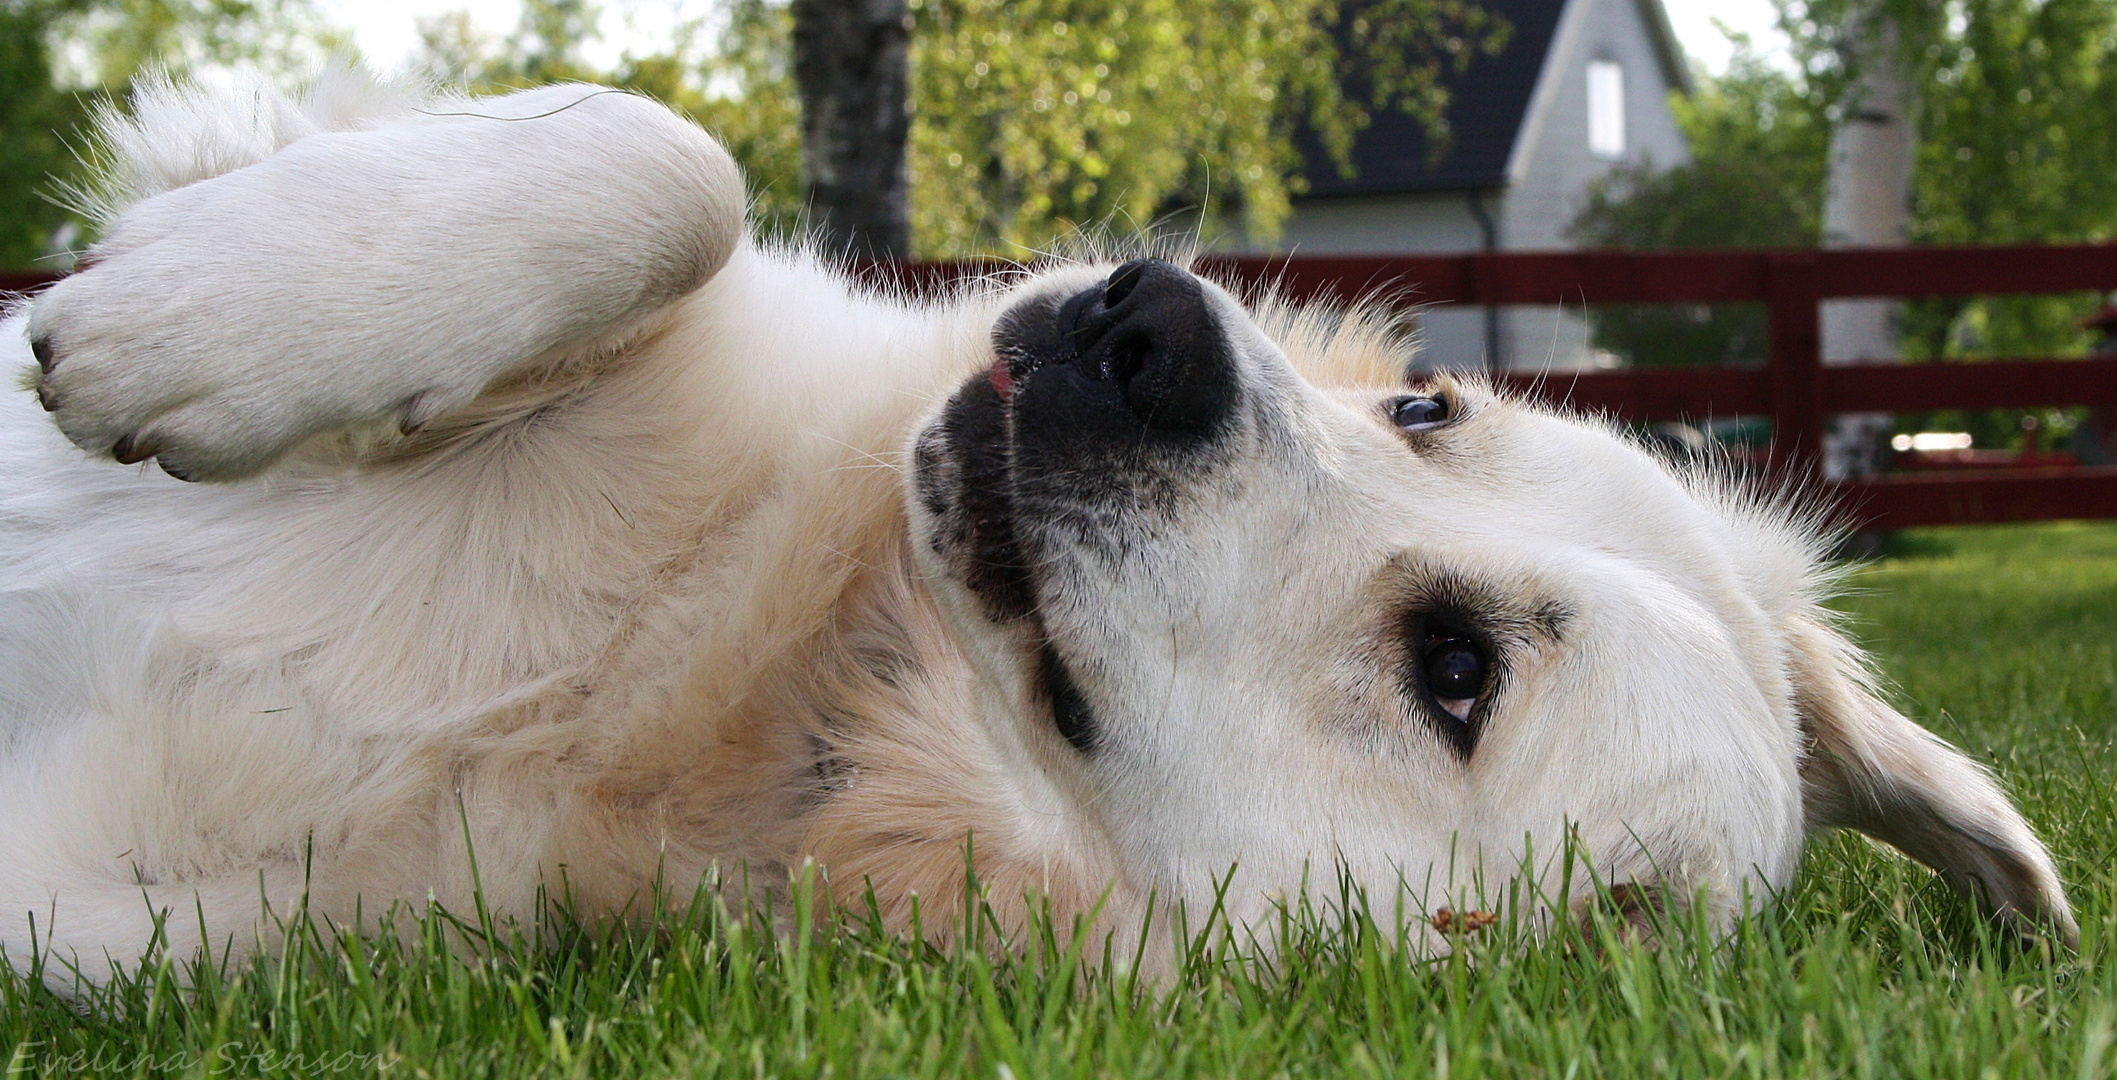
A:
(1449, 335)
(1549, 174)
(1359, 224)
(1552, 167)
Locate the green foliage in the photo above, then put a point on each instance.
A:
(2018, 130)
(58, 57)
(1037, 118)
(1754, 179)
(757, 116)
(2002, 640)
(120, 38)
(2018, 148)
(33, 114)
(1034, 119)
(2018, 124)
(740, 88)
(555, 31)
(1758, 143)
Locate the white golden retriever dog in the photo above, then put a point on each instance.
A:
(550, 534)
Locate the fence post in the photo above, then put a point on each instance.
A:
(1793, 291)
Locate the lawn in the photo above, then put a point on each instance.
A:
(2004, 640)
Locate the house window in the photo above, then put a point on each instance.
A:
(1606, 108)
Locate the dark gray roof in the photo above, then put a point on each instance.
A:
(1489, 101)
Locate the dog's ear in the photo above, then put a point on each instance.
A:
(1869, 768)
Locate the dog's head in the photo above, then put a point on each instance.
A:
(1238, 597)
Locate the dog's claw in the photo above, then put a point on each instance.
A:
(174, 471)
(47, 399)
(41, 349)
(131, 451)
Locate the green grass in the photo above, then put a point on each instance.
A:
(2004, 640)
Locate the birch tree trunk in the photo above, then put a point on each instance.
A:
(1867, 202)
(851, 62)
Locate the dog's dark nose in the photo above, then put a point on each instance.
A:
(1148, 332)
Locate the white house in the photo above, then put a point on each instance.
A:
(1581, 87)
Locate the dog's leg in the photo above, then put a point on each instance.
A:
(381, 275)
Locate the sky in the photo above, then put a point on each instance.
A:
(385, 29)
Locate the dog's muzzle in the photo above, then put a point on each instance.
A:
(1099, 409)
(1141, 355)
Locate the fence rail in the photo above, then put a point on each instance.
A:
(24, 281)
(1793, 389)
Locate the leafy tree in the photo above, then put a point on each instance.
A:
(1031, 119)
(120, 38)
(59, 57)
(2018, 128)
(1036, 118)
(2021, 136)
(1758, 140)
(33, 113)
(740, 87)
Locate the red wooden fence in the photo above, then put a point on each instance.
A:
(1794, 389)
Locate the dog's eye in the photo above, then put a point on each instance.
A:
(1419, 413)
(1455, 674)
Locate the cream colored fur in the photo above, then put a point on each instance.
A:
(560, 523)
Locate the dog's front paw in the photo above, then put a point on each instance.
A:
(201, 366)
(222, 323)
(358, 277)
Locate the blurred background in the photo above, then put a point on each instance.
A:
(1310, 126)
